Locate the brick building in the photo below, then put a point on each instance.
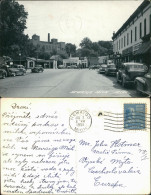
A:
(50, 45)
(132, 42)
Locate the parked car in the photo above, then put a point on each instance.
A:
(91, 67)
(3, 73)
(21, 68)
(11, 71)
(61, 67)
(37, 69)
(143, 84)
(110, 69)
(94, 67)
(129, 71)
(72, 67)
(102, 68)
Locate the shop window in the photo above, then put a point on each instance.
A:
(127, 38)
(140, 30)
(135, 33)
(122, 43)
(144, 26)
(131, 36)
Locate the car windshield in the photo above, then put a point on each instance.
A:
(135, 66)
(111, 66)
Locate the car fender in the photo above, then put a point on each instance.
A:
(141, 80)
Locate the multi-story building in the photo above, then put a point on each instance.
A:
(132, 42)
(48, 46)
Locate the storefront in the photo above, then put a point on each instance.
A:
(143, 54)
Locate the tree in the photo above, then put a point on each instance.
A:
(86, 43)
(12, 25)
(70, 49)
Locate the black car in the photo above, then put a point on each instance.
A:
(9, 70)
(129, 71)
(3, 73)
(143, 84)
(110, 69)
(102, 68)
(37, 69)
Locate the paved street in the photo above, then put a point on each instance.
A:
(64, 83)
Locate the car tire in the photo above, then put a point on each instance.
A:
(123, 82)
(137, 89)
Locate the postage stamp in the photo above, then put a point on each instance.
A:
(80, 121)
(134, 116)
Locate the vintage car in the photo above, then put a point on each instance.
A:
(143, 84)
(110, 69)
(37, 69)
(72, 67)
(11, 71)
(21, 68)
(129, 71)
(93, 67)
(61, 66)
(102, 68)
(3, 73)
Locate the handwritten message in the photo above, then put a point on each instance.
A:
(41, 154)
(38, 152)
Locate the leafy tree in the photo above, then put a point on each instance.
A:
(86, 43)
(70, 48)
(107, 45)
(12, 25)
(94, 49)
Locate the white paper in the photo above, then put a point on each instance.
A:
(63, 146)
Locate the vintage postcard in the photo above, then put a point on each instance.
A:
(75, 48)
(75, 146)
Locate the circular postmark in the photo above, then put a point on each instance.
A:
(80, 121)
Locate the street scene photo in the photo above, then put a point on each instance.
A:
(75, 48)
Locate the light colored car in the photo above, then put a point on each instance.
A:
(21, 68)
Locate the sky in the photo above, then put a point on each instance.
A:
(71, 21)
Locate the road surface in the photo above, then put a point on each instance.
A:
(64, 83)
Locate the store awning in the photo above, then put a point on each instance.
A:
(144, 48)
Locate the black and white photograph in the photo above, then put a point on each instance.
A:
(75, 48)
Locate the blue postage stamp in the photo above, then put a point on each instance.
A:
(134, 116)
